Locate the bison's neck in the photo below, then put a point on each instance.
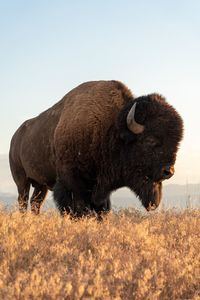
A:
(110, 161)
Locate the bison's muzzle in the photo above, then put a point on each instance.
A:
(153, 194)
(157, 195)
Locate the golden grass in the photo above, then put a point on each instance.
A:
(127, 256)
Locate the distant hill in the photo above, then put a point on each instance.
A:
(174, 195)
(7, 199)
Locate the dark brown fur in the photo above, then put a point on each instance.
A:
(82, 147)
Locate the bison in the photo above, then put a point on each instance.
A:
(96, 139)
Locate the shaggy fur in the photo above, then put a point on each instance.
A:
(83, 148)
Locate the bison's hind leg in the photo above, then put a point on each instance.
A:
(38, 196)
(23, 187)
(23, 195)
(22, 182)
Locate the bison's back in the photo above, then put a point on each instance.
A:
(89, 111)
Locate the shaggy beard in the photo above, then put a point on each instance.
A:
(150, 194)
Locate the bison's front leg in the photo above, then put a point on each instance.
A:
(100, 201)
(63, 198)
(71, 199)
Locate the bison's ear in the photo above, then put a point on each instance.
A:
(128, 137)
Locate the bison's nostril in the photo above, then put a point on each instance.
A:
(168, 171)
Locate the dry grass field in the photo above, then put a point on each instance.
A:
(127, 256)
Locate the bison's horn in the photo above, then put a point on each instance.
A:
(131, 123)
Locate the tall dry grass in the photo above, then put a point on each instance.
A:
(127, 256)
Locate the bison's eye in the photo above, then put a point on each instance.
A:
(152, 141)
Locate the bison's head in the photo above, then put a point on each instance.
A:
(151, 130)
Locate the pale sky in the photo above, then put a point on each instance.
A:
(49, 47)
